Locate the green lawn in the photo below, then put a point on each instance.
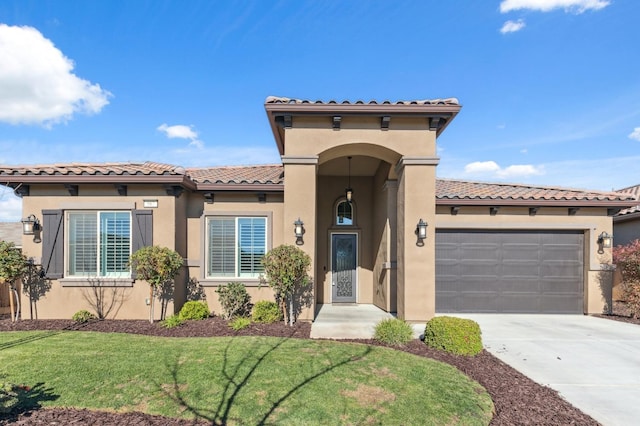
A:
(240, 380)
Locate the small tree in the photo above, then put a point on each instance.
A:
(157, 266)
(627, 260)
(285, 268)
(13, 265)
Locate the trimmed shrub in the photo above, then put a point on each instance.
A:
(234, 299)
(239, 323)
(172, 321)
(194, 310)
(266, 311)
(393, 331)
(83, 316)
(455, 335)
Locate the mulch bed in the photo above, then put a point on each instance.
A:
(517, 399)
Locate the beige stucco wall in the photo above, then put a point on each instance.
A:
(416, 263)
(592, 221)
(64, 297)
(235, 204)
(408, 140)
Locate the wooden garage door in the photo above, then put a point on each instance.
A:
(509, 272)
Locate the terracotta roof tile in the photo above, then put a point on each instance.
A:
(262, 174)
(282, 100)
(447, 190)
(95, 169)
(464, 190)
(635, 192)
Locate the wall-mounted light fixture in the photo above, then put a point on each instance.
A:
(349, 191)
(421, 232)
(604, 241)
(298, 230)
(31, 226)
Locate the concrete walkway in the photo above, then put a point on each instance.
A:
(593, 363)
(346, 321)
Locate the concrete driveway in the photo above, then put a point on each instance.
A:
(593, 363)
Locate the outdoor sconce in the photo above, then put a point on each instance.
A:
(604, 241)
(421, 232)
(31, 226)
(298, 229)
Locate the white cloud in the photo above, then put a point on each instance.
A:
(491, 169)
(512, 26)
(180, 131)
(481, 167)
(519, 171)
(524, 151)
(576, 6)
(635, 135)
(10, 206)
(37, 82)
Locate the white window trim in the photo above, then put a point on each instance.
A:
(90, 280)
(211, 281)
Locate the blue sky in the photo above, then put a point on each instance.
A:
(550, 88)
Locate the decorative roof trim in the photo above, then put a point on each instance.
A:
(280, 111)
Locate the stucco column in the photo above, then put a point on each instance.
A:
(391, 190)
(300, 202)
(416, 263)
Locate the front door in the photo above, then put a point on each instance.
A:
(343, 268)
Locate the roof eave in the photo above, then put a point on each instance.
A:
(273, 110)
(103, 179)
(241, 187)
(532, 203)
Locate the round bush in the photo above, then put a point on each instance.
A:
(234, 300)
(172, 321)
(83, 316)
(266, 311)
(393, 331)
(455, 335)
(194, 310)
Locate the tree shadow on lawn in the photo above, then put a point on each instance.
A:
(235, 380)
(29, 399)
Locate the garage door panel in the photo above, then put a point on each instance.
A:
(558, 286)
(509, 271)
(561, 269)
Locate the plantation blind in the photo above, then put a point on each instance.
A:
(222, 240)
(115, 244)
(251, 246)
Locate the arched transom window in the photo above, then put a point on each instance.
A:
(344, 213)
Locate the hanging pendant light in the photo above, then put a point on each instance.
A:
(349, 190)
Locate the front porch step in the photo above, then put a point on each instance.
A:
(346, 321)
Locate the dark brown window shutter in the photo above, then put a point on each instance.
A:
(52, 243)
(142, 231)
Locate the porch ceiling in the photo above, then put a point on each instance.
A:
(360, 166)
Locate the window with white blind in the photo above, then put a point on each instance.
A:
(236, 246)
(98, 244)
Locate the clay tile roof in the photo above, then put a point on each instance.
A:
(282, 100)
(262, 174)
(92, 169)
(496, 192)
(635, 192)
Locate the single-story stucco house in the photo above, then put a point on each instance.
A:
(407, 242)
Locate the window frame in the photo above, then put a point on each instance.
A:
(336, 206)
(67, 273)
(212, 280)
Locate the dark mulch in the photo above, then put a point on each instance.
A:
(517, 399)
